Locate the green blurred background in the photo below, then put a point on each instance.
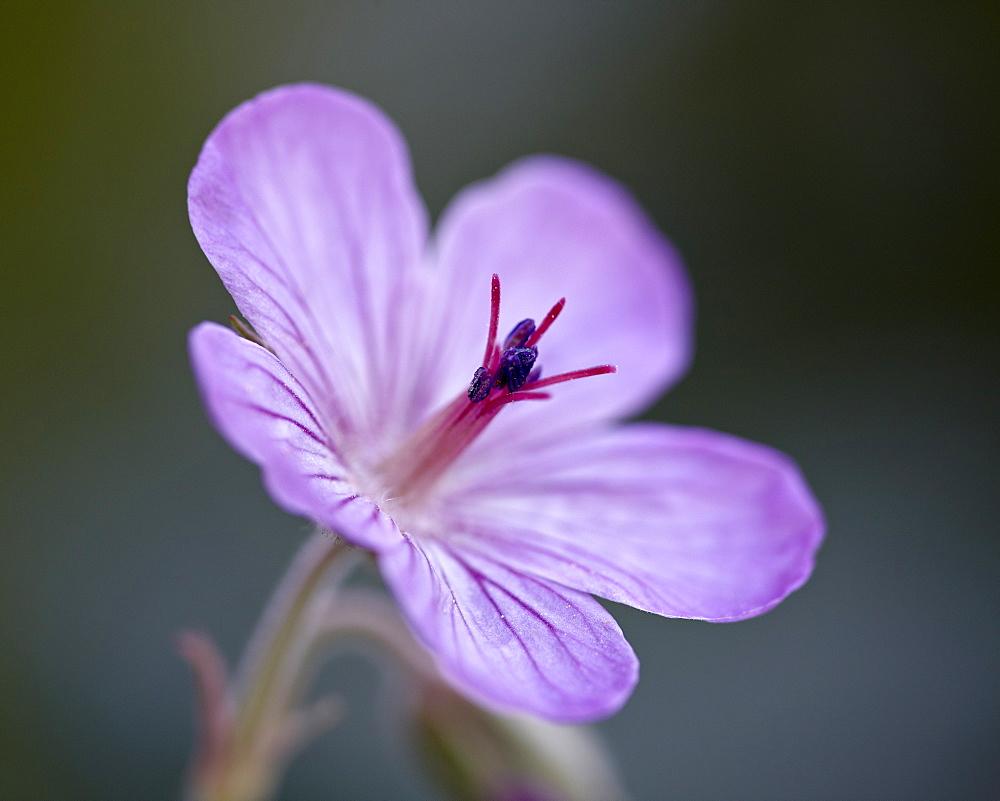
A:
(830, 172)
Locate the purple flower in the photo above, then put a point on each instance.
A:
(376, 410)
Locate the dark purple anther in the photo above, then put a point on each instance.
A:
(482, 383)
(519, 335)
(515, 366)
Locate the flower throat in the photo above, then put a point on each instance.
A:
(508, 374)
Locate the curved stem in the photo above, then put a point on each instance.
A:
(370, 616)
(260, 667)
(249, 734)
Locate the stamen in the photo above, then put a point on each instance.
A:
(491, 337)
(515, 366)
(550, 318)
(514, 397)
(572, 375)
(511, 369)
(482, 383)
(520, 334)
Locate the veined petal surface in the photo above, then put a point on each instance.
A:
(552, 228)
(511, 640)
(303, 201)
(268, 416)
(682, 522)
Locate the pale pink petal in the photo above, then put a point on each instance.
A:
(269, 417)
(682, 522)
(512, 641)
(553, 228)
(303, 201)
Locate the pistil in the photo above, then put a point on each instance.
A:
(508, 374)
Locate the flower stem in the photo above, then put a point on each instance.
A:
(260, 725)
(262, 665)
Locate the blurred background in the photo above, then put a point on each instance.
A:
(830, 172)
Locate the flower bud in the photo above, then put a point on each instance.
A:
(480, 756)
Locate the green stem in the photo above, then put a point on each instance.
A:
(252, 759)
(261, 666)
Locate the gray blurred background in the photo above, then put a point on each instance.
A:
(829, 171)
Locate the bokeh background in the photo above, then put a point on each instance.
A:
(830, 172)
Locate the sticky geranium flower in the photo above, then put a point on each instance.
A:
(492, 483)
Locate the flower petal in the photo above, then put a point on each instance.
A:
(553, 228)
(303, 201)
(682, 522)
(510, 640)
(269, 417)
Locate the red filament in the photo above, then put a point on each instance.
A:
(432, 449)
